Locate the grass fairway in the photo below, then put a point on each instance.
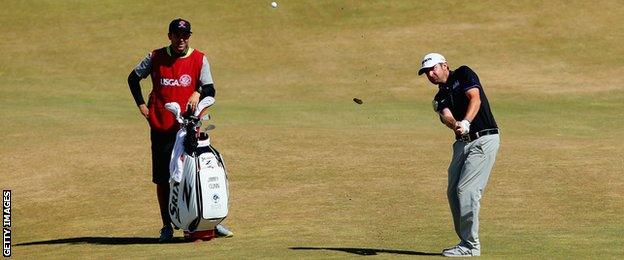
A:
(312, 174)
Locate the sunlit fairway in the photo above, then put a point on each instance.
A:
(313, 174)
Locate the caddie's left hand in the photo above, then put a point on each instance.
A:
(462, 127)
(193, 100)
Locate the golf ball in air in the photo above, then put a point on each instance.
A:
(274, 4)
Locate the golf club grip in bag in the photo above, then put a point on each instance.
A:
(200, 200)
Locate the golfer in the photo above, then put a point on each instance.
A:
(464, 108)
(179, 74)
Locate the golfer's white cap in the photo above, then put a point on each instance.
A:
(431, 60)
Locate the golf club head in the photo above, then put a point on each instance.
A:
(175, 109)
(203, 104)
(210, 127)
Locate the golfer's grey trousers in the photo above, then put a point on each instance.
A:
(467, 177)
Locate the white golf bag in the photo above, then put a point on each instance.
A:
(198, 197)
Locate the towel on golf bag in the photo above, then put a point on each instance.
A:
(199, 201)
(176, 163)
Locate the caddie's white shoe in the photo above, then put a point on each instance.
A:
(223, 231)
(460, 251)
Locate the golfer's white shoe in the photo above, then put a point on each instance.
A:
(460, 251)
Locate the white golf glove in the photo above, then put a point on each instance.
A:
(465, 125)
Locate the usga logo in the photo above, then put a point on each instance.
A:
(183, 81)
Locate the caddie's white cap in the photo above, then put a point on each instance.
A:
(431, 60)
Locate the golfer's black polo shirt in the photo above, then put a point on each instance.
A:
(452, 95)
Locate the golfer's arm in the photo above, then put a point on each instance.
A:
(447, 118)
(135, 88)
(473, 104)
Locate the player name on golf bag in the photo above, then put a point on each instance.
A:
(200, 200)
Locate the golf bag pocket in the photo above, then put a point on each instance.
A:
(213, 182)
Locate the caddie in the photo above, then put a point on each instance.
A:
(179, 74)
(463, 107)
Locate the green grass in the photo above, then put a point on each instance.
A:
(308, 167)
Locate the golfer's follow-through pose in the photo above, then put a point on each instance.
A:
(463, 107)
(179, 74)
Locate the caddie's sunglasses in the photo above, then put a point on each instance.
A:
(182, 35)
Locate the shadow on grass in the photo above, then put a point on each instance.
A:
(365, 251)
(102, 241)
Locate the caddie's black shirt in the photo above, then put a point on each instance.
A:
(452, 95)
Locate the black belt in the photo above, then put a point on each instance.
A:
(474, 136)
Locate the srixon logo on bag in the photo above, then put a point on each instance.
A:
(175, 196)
(174, 211)
(206, 161)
